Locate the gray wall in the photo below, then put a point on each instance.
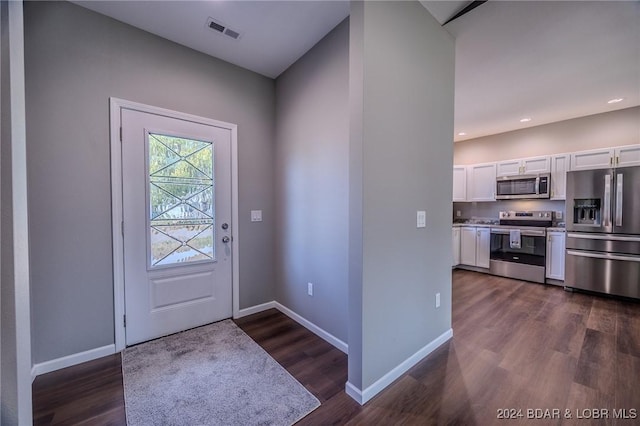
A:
(312, 163)
(15, 346)
(75, 60)
(405, 152)
(614, 128)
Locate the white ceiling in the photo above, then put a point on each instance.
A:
(547, 60)
(274, 34)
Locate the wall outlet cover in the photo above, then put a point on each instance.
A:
(256, 215)
(421, 221)
(310, 289)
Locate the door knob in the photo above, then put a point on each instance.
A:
(226, 239)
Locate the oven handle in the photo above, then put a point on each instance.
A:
(604, 256)
(527, 232)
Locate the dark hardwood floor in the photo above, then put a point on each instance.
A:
(516, 346)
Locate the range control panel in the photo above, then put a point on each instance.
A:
(526, 218)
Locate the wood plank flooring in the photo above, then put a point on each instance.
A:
(516, 346)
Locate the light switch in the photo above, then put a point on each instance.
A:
(422, 219)
(256, 215)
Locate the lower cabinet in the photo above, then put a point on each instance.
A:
(455, 242)
(475, 246)
(555, 255)
(483, 247)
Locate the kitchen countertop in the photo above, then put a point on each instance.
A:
(557, 229)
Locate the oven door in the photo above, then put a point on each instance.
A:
(526, 262)
(532, 250)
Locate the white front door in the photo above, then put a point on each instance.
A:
(176, 178)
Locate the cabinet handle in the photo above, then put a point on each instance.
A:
(611, 161)
(617, 160)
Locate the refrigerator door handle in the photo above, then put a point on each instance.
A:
(606, 237)
(603, 256)
(619, 199)
(607, 201)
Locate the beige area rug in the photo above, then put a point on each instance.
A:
(211, 375)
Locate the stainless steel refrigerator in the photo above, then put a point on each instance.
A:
(603, 231)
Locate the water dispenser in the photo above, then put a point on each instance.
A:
(586, 211)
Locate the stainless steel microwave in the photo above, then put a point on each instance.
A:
(521, 186)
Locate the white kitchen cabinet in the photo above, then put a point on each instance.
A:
(481, 182)
(626, 156)
(475, 245)
(459, 183)
(535, 165)
(455, 242)
(559, 169)
(523, 166)
(508, 168)
(555, 255)
(483, 247)
(592, 159)
(468, 245)
(621, 156)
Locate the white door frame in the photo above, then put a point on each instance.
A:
(116, 204)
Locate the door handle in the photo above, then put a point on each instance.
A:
(226, 239)
(619, 199)
(607, 200)
(224, 226)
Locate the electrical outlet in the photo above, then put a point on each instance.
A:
(310, 289)
(437, 300)
(458, 213)
(559, 215)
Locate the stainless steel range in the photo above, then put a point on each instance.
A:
(519, 246)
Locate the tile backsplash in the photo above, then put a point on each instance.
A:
(491, 210)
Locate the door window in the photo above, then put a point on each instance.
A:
(180, 200)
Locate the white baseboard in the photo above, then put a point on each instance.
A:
(313, 328)
(354, 393)
(254, 309)
(362, 397)
(73, 359)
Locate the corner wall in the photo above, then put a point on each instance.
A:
(312, 171)
(401, 148)
(15, 346)
(75, 60)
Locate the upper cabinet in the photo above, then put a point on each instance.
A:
(459, 183)
(621, 156)
(481, 182)
(626, 156)
(524, 166)
(592, 159)
(559, 169)
(477, 182)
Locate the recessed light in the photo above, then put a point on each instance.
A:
(462, 134)
(615, 101)
(525, 120)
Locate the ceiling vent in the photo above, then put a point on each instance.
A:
(220, 28)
